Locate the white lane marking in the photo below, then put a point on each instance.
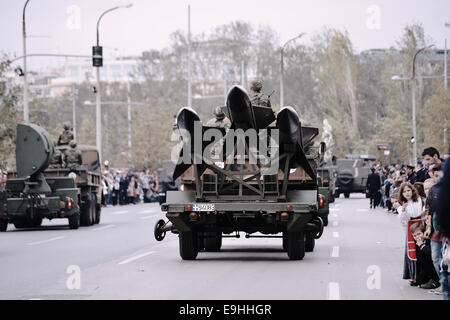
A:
(335, 234)
(335, 223)
(136, 257)
(335, 252)
(362, 210)
(44, 241)
(334, 292)
(104, 227)
(335, 209)
(146, 211)
(35, 299)
(120, 212)
(148, 217)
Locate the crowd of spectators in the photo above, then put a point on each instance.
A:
(123, 187)
(419, 195)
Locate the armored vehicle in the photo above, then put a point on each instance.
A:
(352, 174)
(35, 192)
(241, 190)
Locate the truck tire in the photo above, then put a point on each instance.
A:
(3, 225)
(98, 211)
(213, 241)
(309, 242)
(23, 223)
(325, 220)
(74, 221)
(347, 194)
(36, 222)
(285, 241)
(88, 213)
(337, 195)
(296, 245)
(188, 245)
(201, 241)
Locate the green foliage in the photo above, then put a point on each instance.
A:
(9, 116)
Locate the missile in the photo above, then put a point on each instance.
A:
(291, 140)
(185, 122)
(243, 114)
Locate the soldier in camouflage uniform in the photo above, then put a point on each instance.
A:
(73, 156)
(257, 97)
(219, 120)
(66, 136)
(58, 159)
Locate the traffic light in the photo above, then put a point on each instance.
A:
(97, 56)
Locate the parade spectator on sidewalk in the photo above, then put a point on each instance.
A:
(411, 208)
(427, 277)
(116, 189)
(443, 221)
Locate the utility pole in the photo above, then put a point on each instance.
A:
(282, 69)
(189, 58)
(26, 116)
(445, 65)
(129, 119)
(74, 117)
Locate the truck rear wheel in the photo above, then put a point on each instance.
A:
(310, 242)
(213, 241)
(88, 213)
(347, 194)
(98, 211)
(296, 245)
(23, 223)
(3, 225)
(74, 221)
(285, 241)
(188, 245)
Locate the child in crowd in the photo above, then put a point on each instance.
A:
(395, 202)
(426, 277)
(411, 208)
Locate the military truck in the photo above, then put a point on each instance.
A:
(222, 198)
(35, 192)
(352, 173)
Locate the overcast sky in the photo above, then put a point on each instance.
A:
(68, 26)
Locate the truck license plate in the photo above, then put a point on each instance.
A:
(203, 207)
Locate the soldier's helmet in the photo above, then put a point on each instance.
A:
(73, 144)
(67, 125)
(218, 113)
(256, 85)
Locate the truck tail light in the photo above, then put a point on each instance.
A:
(321, 200)
(193, 216)
(188, 207)
(288, 207)
(69, 203)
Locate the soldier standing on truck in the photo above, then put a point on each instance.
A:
(58, 159)
(257, 97)
(219, 120)
(67, 135)
(73, 156)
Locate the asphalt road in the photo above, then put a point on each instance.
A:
(360, 256)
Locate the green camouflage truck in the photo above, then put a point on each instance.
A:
(35, 192)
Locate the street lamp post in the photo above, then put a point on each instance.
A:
(25, 83)
(413, 78)
(98, 109)
(282, 69)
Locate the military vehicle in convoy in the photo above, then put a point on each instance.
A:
(35, 192)
(352, 173)
(243, 191)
